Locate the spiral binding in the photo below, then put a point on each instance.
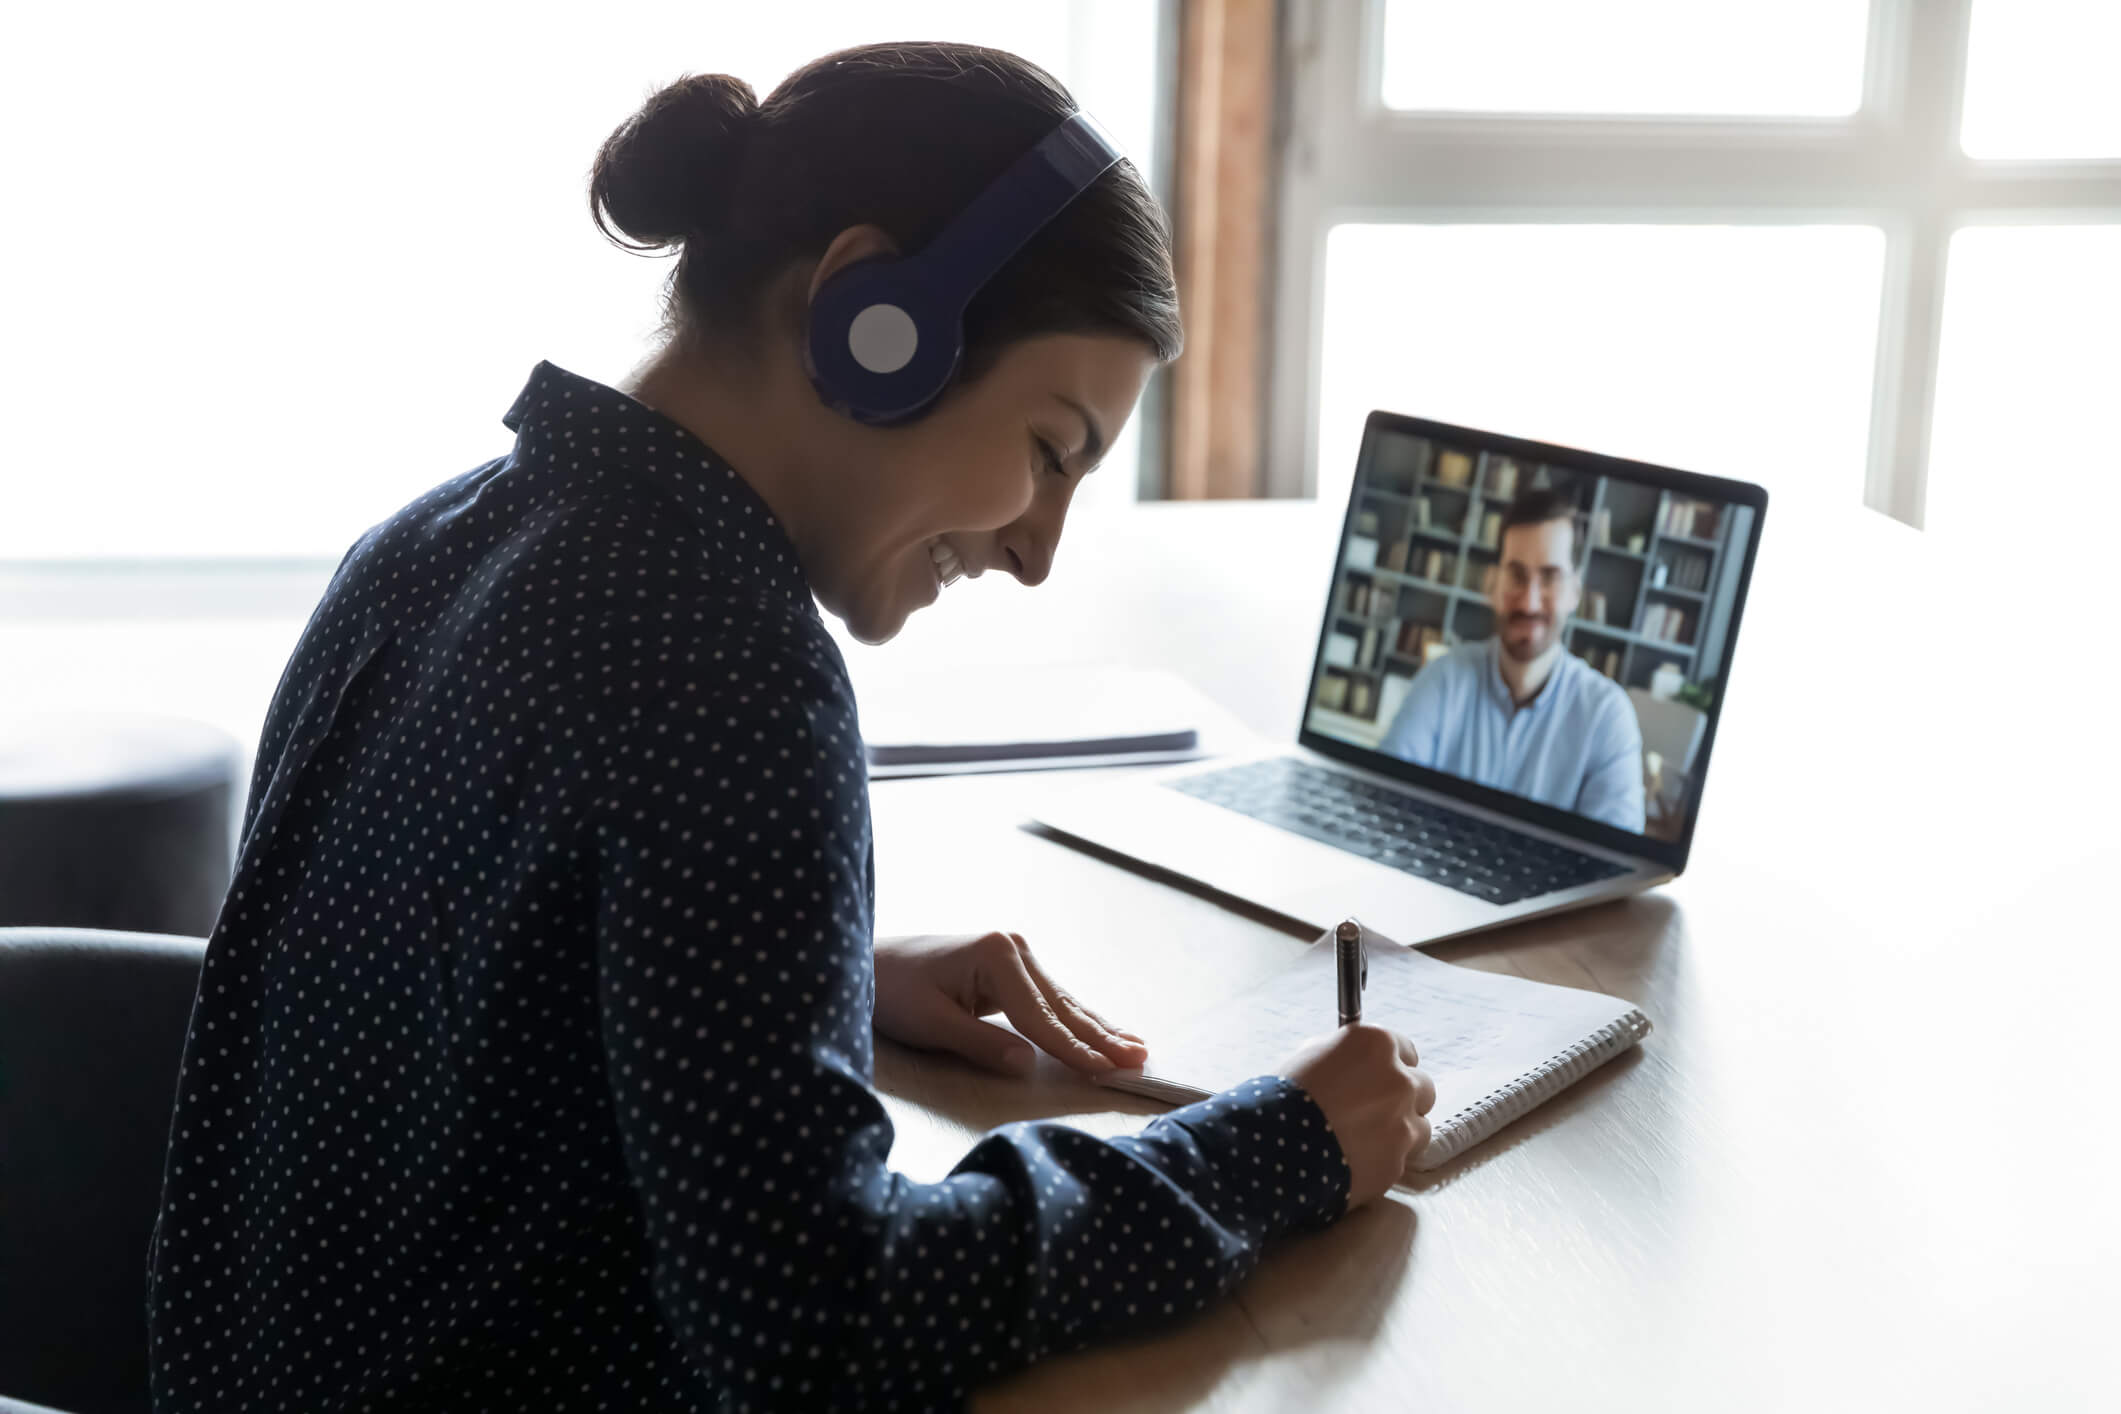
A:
(1475, 1122)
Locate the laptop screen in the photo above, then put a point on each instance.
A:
(1544, 623)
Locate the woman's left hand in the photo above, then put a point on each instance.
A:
(932, 990)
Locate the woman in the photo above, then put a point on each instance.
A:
(529, 1066)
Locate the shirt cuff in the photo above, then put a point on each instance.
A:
(1278, 1165)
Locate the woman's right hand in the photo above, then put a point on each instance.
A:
(1376, 1102)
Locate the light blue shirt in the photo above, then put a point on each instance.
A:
(1575, 746)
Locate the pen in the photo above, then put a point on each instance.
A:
(1352, 965)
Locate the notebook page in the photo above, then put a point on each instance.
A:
(1477, 1032)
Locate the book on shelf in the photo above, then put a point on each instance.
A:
(1359, 694)
(1333, 691)
(1505, 483)
(1678, 569)
(1369, 598)
(1490, 532)
(1694, 519)
(1454, 469)
(1421, 512)
(1611, 668)
(1665, 623)
(1593, 607)
(1488, 575)
(1367, 658)
(1415, 640)
(1396, 557)
(1366, 522)
(1602, 526)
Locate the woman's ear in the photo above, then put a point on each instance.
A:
(849, 247)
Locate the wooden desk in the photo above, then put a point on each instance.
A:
(1865, 1160)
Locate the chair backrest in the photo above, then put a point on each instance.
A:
(1671, 729)
(92, 1027)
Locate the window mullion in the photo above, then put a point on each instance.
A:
(1918, 94)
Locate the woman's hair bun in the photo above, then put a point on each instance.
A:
(671, 167)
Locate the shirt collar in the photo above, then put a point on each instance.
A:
(634, 439)
(1491, 672)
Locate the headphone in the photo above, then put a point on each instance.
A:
(886, 335)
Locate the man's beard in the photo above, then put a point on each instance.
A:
(1532, 648)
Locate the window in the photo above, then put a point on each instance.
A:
(1624, 56)
(1662, 339)
(1777, 239)
(2026, 387)
(2040, 80)
(291, 264)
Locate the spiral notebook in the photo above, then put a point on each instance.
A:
(1497, 1046)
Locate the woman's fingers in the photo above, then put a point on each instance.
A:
(1123, 1048)
(946, 1026)
(1033, 1013)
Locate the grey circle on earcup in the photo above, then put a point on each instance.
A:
(883, 338)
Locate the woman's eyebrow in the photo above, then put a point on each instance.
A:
(1093, 435)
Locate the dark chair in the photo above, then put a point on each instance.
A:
(92, 1027)
(116, 820)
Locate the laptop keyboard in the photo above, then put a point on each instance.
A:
(1400, 831)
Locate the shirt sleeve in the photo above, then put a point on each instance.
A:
(1612, 781)
(735, 972)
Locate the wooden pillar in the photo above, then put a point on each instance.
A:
(1226, 111)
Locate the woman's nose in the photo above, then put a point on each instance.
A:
(1029, 556)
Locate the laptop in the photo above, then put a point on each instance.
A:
(1512, 703)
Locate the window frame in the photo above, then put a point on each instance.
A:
(1895, 163)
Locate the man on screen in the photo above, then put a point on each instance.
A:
(1519, 712)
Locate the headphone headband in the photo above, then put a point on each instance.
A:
(1035, 189)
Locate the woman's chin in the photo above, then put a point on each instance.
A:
(884, 605)
(876, 624)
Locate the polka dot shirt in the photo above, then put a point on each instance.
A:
(530, 1064)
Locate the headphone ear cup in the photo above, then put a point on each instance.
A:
(881, 345)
